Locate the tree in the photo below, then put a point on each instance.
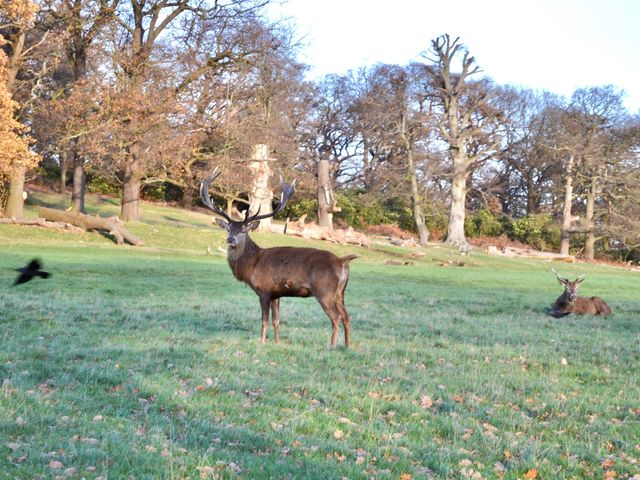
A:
(80, 22)
(467, 122)
(329, 140)
(147, 29)
(597, 116)
(16, 19)
(14, 143)
(529, 166)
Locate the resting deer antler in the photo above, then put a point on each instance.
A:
(558, 276)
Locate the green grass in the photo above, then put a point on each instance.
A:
(145, 361)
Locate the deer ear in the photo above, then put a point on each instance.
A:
(222, 224)
(252, 226)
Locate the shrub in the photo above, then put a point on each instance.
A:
(99, 184)
(484, 223)
(359, 213)
(538, 230)
(298, 207)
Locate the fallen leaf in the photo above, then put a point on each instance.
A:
(458, 399)
(406, 476)
(610, 474)
(360, 460)
(531, 474)
(338, 434)
(70, 472)
(607, 463)
(55, 465)
(564, 362)
(489, 427)
(97, 418)
(426, 402)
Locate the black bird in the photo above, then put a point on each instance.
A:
(30, 271)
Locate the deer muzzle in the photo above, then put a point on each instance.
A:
(232, 242)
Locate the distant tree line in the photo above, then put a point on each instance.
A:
(146, 97)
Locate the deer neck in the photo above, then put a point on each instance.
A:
(243, 259)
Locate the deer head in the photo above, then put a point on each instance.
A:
(237, 230)
(570, 288)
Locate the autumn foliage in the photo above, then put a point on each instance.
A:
(14, 142)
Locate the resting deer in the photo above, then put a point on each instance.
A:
(283, 271)
(570, 302)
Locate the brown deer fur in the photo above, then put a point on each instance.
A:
(569, 302)
(284, 271)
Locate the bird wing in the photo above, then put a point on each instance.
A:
(24, 278)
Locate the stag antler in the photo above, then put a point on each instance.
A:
(558, 276)
(206, 199)
(285, 195)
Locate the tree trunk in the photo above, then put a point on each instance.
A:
(566, 212)
(455, 232)
(590, 240)
(261, 194)
(14, 207)
(64, 168)
(79, 187)
(416, 202)
(130, 189)
(366, 164)
(186, 201)
(325, 194)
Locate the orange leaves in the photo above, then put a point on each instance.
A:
(531, 474)
(426, 402)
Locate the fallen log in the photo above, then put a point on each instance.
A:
(529, 253)
(30, 221)
(111, 225)
(313, 231)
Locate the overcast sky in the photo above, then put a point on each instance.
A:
(556, 45)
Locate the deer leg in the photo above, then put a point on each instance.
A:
(329, 307)
(264, 305)
(275, 317)
(345, 318)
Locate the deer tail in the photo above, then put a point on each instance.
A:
(347, 258)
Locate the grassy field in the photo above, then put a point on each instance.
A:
(145, 363)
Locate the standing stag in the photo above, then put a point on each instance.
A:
(570, 302)
(283, 271)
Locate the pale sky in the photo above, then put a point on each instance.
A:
(555, 45)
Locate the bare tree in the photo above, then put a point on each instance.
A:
(145, 30)
(79, 22)
(467, 122)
